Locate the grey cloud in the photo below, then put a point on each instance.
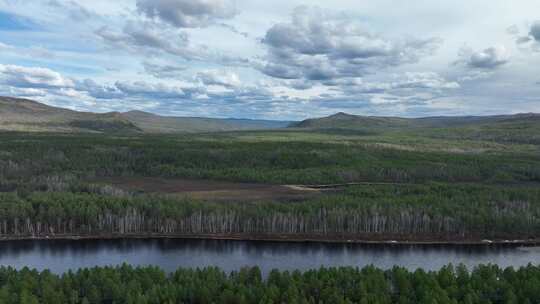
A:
(516, 33)
(99, 91)
(152, 39)
(136, 36)
(408, 88)
(531, 39)
(317, 46)
(300, 84)
(281, 71)
(513, 30)
(234, 29)
(163, 71)
(159, 91)
(524, 39)
(411, 88)
(143, 89)
(226, 79)
(535, 31)
(489, 58)
(406, 84)
(148, 35)
(137, 90)
(187, 13)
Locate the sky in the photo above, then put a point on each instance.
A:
(280, 59)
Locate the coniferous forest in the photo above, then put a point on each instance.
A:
(416, 189)
(125, 284)
(269, 152)
(407, 187)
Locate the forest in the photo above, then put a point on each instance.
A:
(51, 185)
(485, 284)
(430, 212)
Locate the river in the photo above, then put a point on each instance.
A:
(169, 254)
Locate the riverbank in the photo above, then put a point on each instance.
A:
(339, 239)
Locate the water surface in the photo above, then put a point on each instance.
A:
(169, 254)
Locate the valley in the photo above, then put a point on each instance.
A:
(456, 180)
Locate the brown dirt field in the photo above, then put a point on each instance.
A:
(211, 190)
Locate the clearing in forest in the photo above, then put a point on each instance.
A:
(212, 190)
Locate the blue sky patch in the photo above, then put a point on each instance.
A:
(11, 22)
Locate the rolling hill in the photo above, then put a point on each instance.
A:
(27, 115)
(347, 121)
(517, 128)
(152, 123)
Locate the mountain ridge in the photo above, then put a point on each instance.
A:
(343, 120)
(19, 114)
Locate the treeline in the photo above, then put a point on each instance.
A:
(61, 162)
(388, 211)
(125, 284)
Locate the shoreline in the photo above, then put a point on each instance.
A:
(286, 239)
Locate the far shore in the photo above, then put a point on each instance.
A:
(377, 240)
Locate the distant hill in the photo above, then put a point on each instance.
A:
(26, 115)
(152, 123)
(518, 128)
(347, 121)
(354, 122)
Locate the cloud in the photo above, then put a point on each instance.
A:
(142, 89)
(31, 52)
(99, 91)
(403, 84)
(234, 30)
(221, 78)
(318, 46)
(163, 71)
(535, 31)
(31, 77)
(473, 75)
(531, 39)
(13, 22)
(5, 47)
(152, 39)
(523, 39)
(139, 90)
(489, 58)
(212, 86)
(146, 36)
(512, 30)
(74, 10)
(187, 13)
(424, 80)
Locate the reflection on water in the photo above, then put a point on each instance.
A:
(169, 254)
